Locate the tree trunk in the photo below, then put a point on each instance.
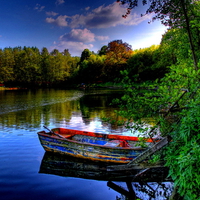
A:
(189, 34)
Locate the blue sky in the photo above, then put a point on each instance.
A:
(74, 25)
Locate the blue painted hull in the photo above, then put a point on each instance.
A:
(88, 146)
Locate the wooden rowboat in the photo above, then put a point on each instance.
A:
(93, 146)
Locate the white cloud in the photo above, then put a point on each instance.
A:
(51, 13)
(77, 40)
(87, 8)
(39, 8)
(106, 16)
(102, 37)
(58, 2)
(59, 21)
(102, 17)
(79, 35)
(75, 48)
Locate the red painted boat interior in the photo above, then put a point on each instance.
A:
(69, 132)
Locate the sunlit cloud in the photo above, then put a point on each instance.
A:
(101, 17)
(79, 35)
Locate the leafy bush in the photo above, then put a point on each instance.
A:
(183, 154)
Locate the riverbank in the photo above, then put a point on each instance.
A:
(11, 88)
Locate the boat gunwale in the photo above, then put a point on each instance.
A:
(100, 135)
(45, 134)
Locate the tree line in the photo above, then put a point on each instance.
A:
(28, 66)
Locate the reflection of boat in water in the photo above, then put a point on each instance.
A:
(93, 146)
(124, 182)
(62, 165)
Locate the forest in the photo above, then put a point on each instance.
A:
(157, 79)
(28, 66)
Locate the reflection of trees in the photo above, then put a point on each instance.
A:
(152, 184)
(31, 108)
(28, 108)
(142, 190)
(98, 104)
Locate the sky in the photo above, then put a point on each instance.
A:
(74, 25)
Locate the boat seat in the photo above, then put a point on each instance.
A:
(117, 143)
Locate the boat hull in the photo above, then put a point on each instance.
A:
(91, 146)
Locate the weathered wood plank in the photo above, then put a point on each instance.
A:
(132, 167)
(141, 172)
(117, 188)
(134, 164)
(149, 151)
(130, 194)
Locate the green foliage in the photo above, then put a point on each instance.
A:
(169, 12)
(104, 66)
(174, 99)
(7, 63)
(183, 154)
(102, 51)
(149, 63)
(27, 65)
(91, 69)
(178, 96)
(117, 54)
(155, 159)
(85, 55)
(30, 67)
(176, 43)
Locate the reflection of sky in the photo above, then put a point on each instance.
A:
(57, 108)
(151, 190)
(77, 122)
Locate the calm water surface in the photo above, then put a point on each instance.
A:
(23, 114)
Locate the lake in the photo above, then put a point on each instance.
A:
(25, 172)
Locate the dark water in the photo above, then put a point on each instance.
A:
(23, 174)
